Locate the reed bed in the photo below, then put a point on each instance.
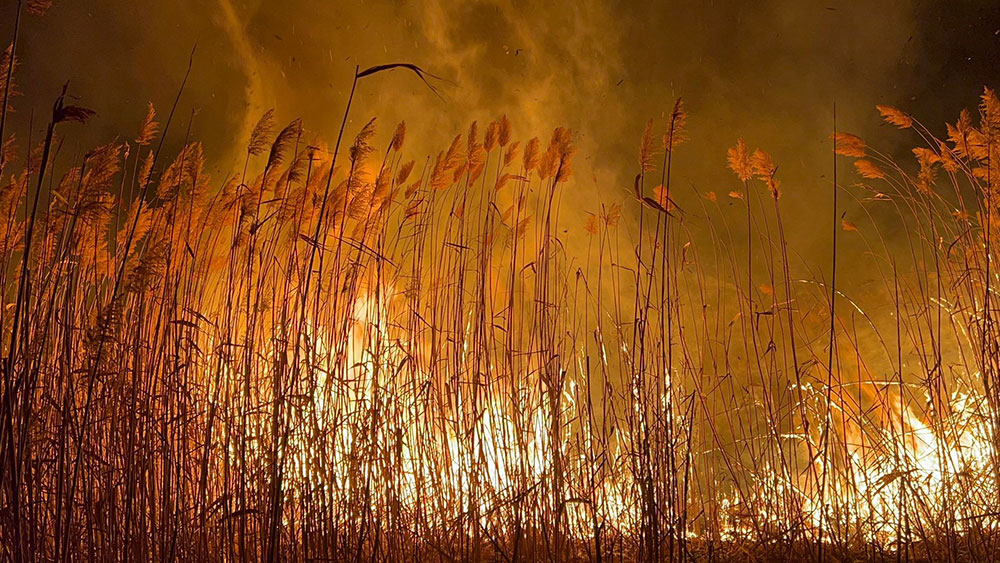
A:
(355, 353)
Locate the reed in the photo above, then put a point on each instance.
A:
(360, 353)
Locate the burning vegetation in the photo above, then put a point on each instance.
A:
(352, 352)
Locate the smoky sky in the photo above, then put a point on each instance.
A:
(768, 71)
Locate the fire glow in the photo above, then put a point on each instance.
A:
(358, 353)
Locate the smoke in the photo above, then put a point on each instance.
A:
(769, 71)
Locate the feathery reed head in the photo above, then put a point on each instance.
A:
(283, 142)
(895, 116)
(846, 144)
(739, 160)
(677, 127)
(262, 131)
(149, 127)
(399, 136)
(646, 151)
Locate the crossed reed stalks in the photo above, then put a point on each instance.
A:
(347, 354)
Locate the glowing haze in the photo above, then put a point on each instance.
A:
(560, 351)
(770, 71)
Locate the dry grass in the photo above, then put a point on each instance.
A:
(343, 355)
